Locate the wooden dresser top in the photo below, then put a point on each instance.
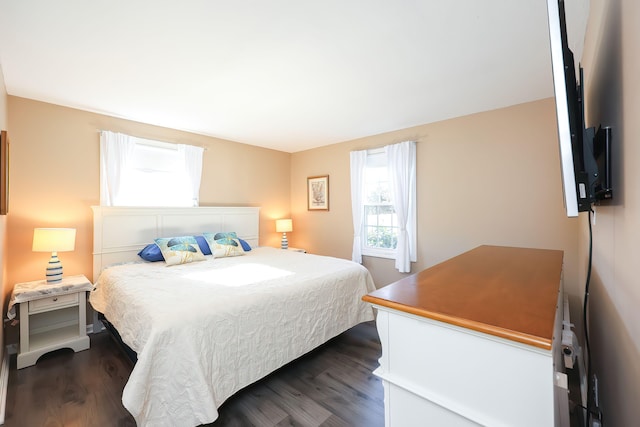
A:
(507, 292)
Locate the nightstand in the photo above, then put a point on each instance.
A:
(297, 250)
(52, 316)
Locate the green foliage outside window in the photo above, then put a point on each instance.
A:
(380, 220)
(382, 237)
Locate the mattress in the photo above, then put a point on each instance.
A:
(205, 330)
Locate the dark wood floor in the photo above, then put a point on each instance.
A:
(331, 386)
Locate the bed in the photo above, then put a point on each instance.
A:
(204, 330)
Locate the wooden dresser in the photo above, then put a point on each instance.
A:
(475, 340)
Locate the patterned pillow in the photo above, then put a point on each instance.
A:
(179, 250)
(152, 252)
(224, 244)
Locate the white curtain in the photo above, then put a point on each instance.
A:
(116, 149)
(401, 164)
(193, 167)
(358, 163)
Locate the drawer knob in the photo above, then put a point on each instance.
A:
(55, 299)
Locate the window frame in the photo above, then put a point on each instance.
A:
(174, 168)
(375, 158)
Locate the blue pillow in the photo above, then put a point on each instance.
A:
(152, 253)
(204, 246)
(244, 245)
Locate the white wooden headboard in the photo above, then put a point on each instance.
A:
(120, 232)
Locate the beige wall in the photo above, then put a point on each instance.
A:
(489, 178)
(612, 65)
(55, 179)
(3, 218)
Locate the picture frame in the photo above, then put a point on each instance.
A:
(318, 193)
(4, 173)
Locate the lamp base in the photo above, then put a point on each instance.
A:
(54, 269)
(284, 243)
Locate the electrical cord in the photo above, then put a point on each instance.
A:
(590, 410)
(584, 322)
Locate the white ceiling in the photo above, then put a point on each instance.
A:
(284, 74)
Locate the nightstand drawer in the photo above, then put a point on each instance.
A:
(54, 302)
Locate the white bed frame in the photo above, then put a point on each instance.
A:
(120, 232)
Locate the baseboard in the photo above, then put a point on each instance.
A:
(4, 384)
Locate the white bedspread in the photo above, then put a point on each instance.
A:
(205, 330)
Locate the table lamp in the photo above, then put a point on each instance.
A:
(283, 226)
(54, 240)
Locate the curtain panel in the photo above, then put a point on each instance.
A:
(116, 149)
(401, 163)
(358, 162)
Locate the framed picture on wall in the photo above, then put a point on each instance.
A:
(4, 173)
(318, 193)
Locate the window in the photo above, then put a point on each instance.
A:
(380, 223)
(156, 177)
(141, 172)
(383, 203)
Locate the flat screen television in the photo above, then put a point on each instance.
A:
(581, 181)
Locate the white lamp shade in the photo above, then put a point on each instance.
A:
(54, 239)
(284, 225)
